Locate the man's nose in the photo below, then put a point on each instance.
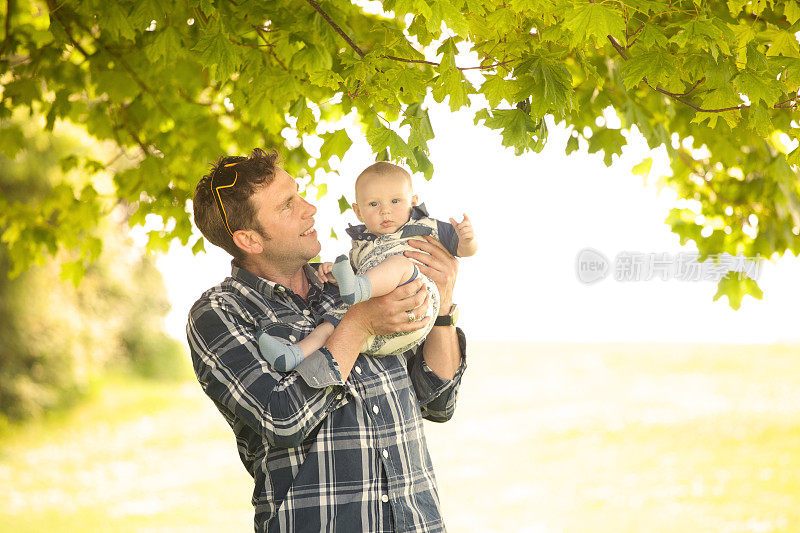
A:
(310, 209)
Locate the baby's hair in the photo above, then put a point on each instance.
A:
(383, 168)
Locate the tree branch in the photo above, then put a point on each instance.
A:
(679, 97)
(260, 32)
(7, 38)
(338, 30)
(361, 53)
(54, 11)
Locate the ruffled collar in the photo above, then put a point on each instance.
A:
(360, 232)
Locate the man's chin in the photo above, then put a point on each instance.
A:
(316, 247)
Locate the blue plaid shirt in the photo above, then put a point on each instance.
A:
(325, 454)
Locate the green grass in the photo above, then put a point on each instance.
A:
(546, 438)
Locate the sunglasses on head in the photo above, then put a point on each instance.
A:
(222, 179)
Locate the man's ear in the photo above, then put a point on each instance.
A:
(249, 241)
(414, 199)
(357, 212)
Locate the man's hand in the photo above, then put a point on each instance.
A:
(389, 313)
(437, 264)
(467, 245)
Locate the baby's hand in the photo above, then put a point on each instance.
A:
(325, 273)
(467, 245)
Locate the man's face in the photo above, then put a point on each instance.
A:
(384, 202)
(287, 219)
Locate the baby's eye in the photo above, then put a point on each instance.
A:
(373, 204)
(395, 201)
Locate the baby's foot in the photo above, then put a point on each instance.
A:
(280, 356)
(353, 288)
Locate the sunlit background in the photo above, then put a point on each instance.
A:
(616, 406)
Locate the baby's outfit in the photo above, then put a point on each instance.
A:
(369, 250)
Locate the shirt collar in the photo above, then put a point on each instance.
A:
(360, 233)
(267, 287)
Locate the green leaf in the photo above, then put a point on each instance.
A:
(118, 85)
(643, 167)
(791, 10)
(548, 83)
(757, 88)
(12, 140)
(115, 22)
(380, 138)
(794, 157)
(421, 163)
(594, 20)
(657, 67)
(322, 190)
(572, 144)
(421, 130)
(344, 205)
(735, 286)
(305, 117)
(784, 43)
(758, 118)
(451, 82)
(651, 36)
(73, 271)
(335, 143)
(218, 52)
(166, 45)
(145, 12)
(199, 246)
(496, 89)
(609, 140)
(311, 58)
(326, 78)
(516, 127)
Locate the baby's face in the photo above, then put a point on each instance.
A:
(384, 202)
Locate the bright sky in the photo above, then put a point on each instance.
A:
(532, 216)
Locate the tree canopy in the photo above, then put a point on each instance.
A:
(175, 83)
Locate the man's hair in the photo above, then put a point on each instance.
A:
(382, 168)
(252, 173)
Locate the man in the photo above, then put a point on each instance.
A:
(337, 444)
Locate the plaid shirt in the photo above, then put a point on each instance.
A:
(325, 454)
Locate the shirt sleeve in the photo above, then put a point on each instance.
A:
(447, 236)
(436, 396)
(281, 407)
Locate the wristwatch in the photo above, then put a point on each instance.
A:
(449, 319)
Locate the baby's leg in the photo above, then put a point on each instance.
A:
(377, 281)
(283, 357)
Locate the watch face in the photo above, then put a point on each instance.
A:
(454, 314)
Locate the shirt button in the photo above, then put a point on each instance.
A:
(306, 312)
(358, 369)
(375, 409)
(385, 454)
(385, 498)
(338, 396)
(292, 338)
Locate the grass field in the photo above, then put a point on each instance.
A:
(546, 438)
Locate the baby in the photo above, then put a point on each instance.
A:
(385, 203)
